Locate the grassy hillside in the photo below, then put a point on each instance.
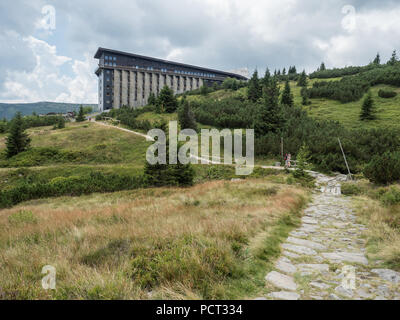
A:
(213, 240)
(388, 110)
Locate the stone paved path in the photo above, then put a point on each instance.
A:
(318, 258)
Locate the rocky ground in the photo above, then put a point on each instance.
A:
(325, 258)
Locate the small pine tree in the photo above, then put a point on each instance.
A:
(302, 82)
(169, 174)
(204, 90)
(167, 100)
(81, 115)
(152, 99)
(367, 109)
(322, 67)
(287, 96)
(377, 59)
(270, 119)
(267, 78)
(61, 123)
(255, 90)
(393, 60)
(303, 156)
(304, 95)
(186, 117)
(17, 140)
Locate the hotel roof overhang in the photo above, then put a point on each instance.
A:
(227, 74)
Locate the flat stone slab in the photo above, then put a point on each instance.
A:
(298, 234)
(281, 281)
(319, 285)
(285, 267)
(299, 249)
(346, 256)
(306, 243)
(388, 275)
(308, 228)
(285, 295)
(314, 267)
(290, 254)
(309, 220)
(344, 291)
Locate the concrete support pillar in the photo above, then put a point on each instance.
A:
(195, 83)
(201, 82)
(124, 88)
(154, 83)
(132, 88)
(117, 89)
(175, 84)
(146, 87)
(162, 81)
(188, 86)
(169, 81)
(140, 88)
(181, 84)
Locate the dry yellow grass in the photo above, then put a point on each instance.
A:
(383, 232)
(151, 243)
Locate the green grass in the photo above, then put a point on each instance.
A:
(86, 143)
(202, 242)
(153, 117)
(388, 110)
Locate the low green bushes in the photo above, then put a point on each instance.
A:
(351, 189)
(384, 169)
(390, 196)
(387, 94)
(41, 156)
(71, 186)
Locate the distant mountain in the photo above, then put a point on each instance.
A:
(8, 110)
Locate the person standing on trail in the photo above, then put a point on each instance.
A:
(286, 160)
(289, 158)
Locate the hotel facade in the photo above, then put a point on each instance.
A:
(127, 79)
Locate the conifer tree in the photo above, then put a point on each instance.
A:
(152, 99)
(186, 117)
(304, 95)
(322, 67)
(287, 96)
(377, 59)
(270, 119)
(81, 115)
(168, 174)
(254, 91)
(303, 156)
(393, 60)
(167, 101)
(302, 82)
(17, 140)
(267, 77)
(367, 109)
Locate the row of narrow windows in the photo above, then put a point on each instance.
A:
(111, 61)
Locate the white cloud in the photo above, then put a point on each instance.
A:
(223, 34)
(48, 80)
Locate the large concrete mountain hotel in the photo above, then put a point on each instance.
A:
(128, 79)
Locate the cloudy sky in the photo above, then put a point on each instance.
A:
(47, 55)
